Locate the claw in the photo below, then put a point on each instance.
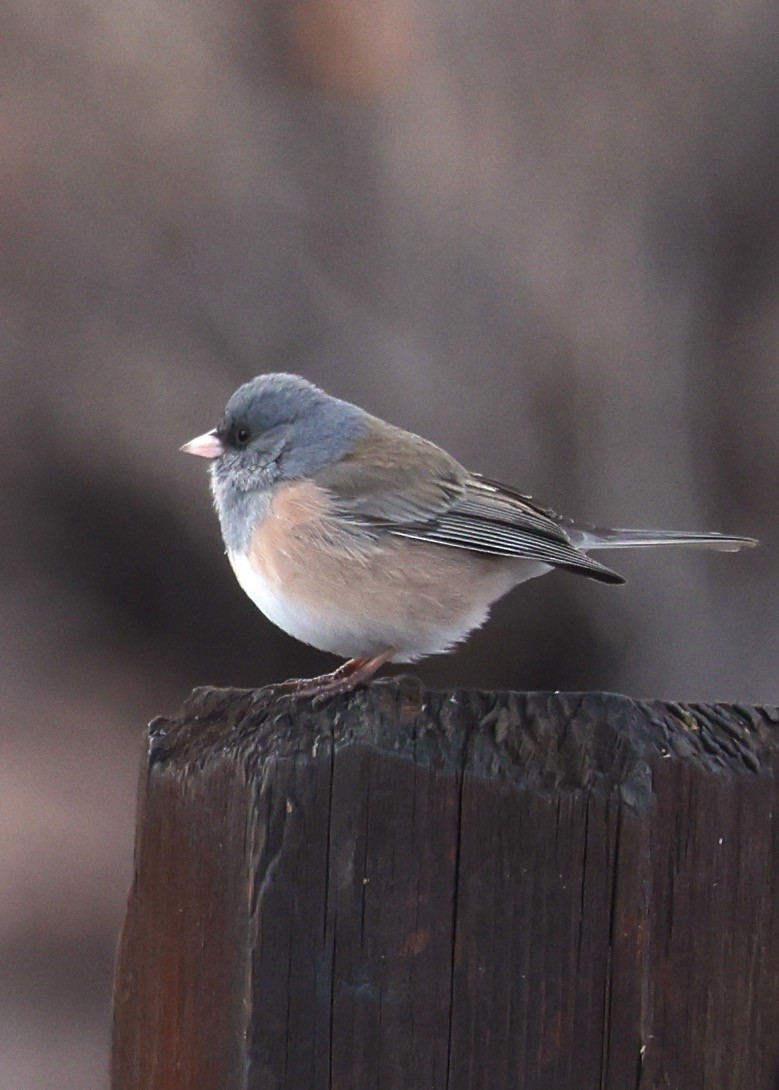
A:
(347, 677)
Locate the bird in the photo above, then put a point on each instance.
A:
(369, 542)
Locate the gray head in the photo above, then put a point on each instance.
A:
(275, 428)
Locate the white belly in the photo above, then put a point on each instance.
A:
(364, 630)
(290, 616)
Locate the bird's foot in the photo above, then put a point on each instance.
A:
(347, 677)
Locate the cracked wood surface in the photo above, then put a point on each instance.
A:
(441, 891)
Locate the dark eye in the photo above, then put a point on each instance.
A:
(242, 436)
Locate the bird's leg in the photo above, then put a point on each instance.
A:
(297, 684)
(348, 676)
(342, 680)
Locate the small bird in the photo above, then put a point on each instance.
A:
(372, 543)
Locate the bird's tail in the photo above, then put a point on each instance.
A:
(591, 537)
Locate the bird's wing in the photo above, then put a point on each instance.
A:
(402, 484)
(393, 478)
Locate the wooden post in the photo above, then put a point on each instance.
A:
(401, 890)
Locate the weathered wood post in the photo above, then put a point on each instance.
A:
(401, 890)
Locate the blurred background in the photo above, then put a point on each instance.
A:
(545, 236)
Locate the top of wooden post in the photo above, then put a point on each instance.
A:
(546, 740)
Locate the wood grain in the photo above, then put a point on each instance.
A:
(401, 889)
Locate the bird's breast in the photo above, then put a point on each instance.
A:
(298, 564)
(343, 590)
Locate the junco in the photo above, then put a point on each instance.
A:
(372, 543)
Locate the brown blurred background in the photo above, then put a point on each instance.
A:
(545, 235)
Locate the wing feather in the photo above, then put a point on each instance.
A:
(400, 483)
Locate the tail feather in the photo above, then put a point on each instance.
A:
(587, 538)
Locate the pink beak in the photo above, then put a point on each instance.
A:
(205, 446)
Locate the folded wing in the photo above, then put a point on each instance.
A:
(400, 483)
